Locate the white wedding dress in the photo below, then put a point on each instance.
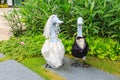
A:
(53, 49)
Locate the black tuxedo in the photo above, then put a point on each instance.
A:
(77, 51)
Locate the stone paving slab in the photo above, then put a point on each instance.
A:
(78, 73)
(12, 70)
(4, 26)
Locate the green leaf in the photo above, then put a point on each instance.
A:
(114, 22)
(92, 5)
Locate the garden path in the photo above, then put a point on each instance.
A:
(12, 70)
(1, 55)
(4, 27)
(78, 73)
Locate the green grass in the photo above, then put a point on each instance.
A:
(36, 64)
(113, 67)
(4, 59)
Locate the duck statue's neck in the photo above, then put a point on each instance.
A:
(79, 30)
(79, 26)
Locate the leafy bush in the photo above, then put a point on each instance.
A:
(15, 22)
(101, 17)
(21, 47)
(35, 14)
(30, 46)
(99, 47)
(104, 48)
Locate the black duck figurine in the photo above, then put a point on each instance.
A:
(80, 47)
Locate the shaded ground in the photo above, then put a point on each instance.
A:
(78, 73)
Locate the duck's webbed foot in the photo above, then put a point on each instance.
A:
(76, 64)
(85, 65)
(47, 66)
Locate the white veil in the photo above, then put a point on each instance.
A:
(48, 24)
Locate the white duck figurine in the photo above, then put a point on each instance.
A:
(53, 49)
(80, 46)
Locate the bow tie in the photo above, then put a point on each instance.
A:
(79, 37)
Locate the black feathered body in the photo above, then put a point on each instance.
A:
(80, 47)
